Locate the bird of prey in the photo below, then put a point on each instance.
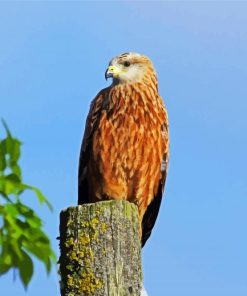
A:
(125, 148)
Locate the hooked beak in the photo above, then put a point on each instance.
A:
(108, 74)
(112, 71)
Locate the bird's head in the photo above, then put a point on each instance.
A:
(130, 68)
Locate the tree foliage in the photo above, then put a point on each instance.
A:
(21, 233)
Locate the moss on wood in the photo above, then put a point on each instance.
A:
(100, 250)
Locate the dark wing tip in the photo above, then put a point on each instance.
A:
(152, 211)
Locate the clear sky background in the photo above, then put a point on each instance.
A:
(52, 61)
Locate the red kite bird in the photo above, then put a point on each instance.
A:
(125, 149)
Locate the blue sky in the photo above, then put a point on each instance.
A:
(52, 61)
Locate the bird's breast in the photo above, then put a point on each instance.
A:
(127, 146)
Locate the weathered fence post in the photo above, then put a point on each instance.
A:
(100, 250)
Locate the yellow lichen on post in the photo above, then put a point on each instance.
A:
(100, 250)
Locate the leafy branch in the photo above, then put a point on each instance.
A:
(21, 234)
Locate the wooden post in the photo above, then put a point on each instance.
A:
(100, 250)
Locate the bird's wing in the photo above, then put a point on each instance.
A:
(152, 210)
(91, 125)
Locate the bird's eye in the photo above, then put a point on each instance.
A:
(126, 64)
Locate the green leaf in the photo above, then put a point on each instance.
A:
(11, 149)
(43, 253)
(2, 157)
(11, 209)
(16, 170)
(14, 178)
(8, 186)
(6, 127)
(34, 221)
(26, 269)
(6, 262)
(39, 194)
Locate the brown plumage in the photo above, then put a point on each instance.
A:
(125, 149)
